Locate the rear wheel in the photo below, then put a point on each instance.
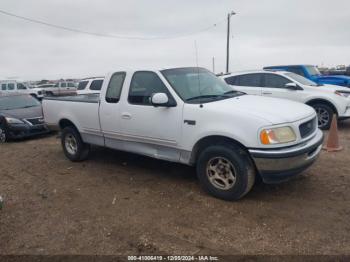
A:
(73, 146)
(225, 171)
(324, 114)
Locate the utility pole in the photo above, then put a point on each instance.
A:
(228, 41)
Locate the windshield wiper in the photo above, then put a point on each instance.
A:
(203, 96)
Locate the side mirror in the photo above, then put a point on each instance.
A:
(292, 86)
(159, 99)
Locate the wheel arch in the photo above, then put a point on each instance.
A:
(63, 123)
(213, 140)
(322, 101)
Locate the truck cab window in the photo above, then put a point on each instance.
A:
(96, 85)
(3, 87)
(143, 85)
(296, 70)
(114, 88)
(63, 84)
(82, 85)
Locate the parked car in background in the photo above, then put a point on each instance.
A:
(20, 116)
(61, 88)
(312, 73)
(90, 86)
(188, 115)
(326, 100)
(13, 86)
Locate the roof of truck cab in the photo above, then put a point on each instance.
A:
(156, 69)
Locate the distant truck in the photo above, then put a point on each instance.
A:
(61, 88)
(312, 73)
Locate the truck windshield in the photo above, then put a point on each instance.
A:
(300, 79)
(198, 85)
(17, 102)
(312, 70)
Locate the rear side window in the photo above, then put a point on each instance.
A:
(275, 81)
(232, 80)
(114, 88)
(70, 84)
(82, 85)
(10, 86)
(3, 87)
(251, 80)
(96, 85)
(63, 84)
(143, 85)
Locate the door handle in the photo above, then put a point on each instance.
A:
(267, 93)
(126, 115)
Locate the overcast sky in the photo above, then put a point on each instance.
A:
(265, 32)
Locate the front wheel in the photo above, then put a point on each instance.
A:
(225, 171)
(73, 146)
(324, 114)
(3, 134)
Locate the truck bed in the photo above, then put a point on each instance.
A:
(87, 98)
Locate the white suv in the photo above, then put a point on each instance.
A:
(90, 86)
(325, 99)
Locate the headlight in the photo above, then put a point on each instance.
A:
(343, 93)
(277, 135)
(11, 120)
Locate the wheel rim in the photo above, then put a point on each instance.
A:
(2, 135)
(221, 173)
(323, 116)
(71, 144)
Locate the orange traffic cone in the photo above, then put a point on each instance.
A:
(333, 139)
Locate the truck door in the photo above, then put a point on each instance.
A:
(109, 112)
(148, 129)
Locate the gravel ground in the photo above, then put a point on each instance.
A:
(117, 203)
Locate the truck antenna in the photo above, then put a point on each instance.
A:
(198, 78)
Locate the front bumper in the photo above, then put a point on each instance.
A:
(278, 165)
(17, 131)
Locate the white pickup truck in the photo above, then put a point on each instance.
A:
(190, 116)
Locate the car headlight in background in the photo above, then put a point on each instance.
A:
(277, 135)
(11, 120)
(342, 93)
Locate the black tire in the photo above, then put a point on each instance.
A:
(82, 149)
(4, 136)
(325, 115)
(241, 164)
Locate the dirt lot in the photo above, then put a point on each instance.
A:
(118, 203)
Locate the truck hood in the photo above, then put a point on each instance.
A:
(23, 113)
(273, 110)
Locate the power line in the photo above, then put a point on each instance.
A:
(108, 35)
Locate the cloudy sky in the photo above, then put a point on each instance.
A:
(264, 32)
